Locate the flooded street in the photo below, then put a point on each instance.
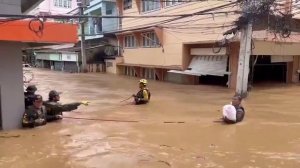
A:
(176, 129)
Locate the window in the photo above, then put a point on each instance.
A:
(148, 5)
(63, 3)
(130, 41)
(55, 2)
(172, 2)
(60, 3)
(109, 8)
(69, 3)
(109, 11)
(127, 4)
(150, 40)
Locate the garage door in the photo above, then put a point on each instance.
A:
(58, 66)
(70, 67)
(215, 65)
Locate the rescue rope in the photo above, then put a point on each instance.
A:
(99, 119)
(125, 121)
(126, 99)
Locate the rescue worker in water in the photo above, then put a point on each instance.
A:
(35, 115)
(30, 95)
(55, 109)
(144, 95)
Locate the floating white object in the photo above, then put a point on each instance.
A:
(229, 112)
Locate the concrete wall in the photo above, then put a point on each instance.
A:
(182, 79)
(114, 69)
(10, 6)
(11, 84)
(274, 48)
(111, 66)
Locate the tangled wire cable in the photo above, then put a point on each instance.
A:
(255, 11)
(218, 45)
(37, 29)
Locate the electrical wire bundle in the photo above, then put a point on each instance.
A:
(258, 11)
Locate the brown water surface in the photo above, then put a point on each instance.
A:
(176, 129)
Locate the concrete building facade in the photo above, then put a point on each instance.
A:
(193, 49)
(59, 61)
(101, 45)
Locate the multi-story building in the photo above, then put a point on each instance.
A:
(101, 46)
(190, 47)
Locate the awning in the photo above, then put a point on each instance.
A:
(215, 65)
(150, 66)
(52, 33)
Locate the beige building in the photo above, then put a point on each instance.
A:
(190, 47)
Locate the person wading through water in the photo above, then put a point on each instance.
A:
(144, 95)
(35, 115)
(55, 109)
(234, 112)
(29, 95)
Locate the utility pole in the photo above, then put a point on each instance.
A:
(81, 5)
(244, 57)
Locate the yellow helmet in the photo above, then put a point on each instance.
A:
(143, 81)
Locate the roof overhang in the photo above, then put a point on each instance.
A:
(176, 67)
(52, 33)
(131, 31)
(27, 5)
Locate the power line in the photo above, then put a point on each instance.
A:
(97, 16)
(185, 21)
(170, 10)
(173, 19)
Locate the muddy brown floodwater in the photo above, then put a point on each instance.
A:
(176, 129)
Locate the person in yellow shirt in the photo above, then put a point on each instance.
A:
(144, 95)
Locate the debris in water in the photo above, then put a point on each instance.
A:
(10, 136)
(165, 146)
(165, 162)
(213, 146)
(201, 157)
(174, 122)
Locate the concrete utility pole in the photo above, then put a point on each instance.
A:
(244, 57)
(81, 5)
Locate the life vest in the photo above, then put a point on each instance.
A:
(140, 94)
